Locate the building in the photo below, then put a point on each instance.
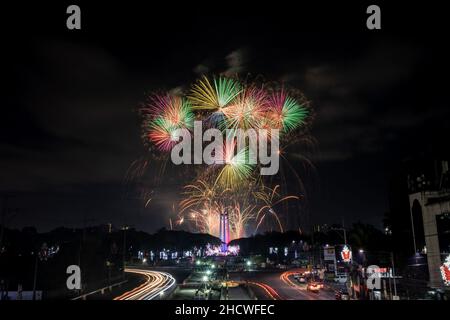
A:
(429, 203)
(224, 231)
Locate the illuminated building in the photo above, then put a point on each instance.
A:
(430, 198)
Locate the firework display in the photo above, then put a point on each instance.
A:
(164, 115)
(231, 185)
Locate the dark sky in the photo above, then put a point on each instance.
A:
(69, 127)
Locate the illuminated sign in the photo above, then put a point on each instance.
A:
(445, 271)
(329, 254)
(346, 254)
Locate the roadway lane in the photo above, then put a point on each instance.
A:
(281, 286)
(155, 285)
(266, 290)
(300, 290)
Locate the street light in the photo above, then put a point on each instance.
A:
(205, 278)
(391, 254)
(344, 231)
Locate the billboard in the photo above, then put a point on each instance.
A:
(329, 254)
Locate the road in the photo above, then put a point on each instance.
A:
(278, 285)
(155, 285)
(281, 286)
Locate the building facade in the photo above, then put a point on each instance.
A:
(429, 201)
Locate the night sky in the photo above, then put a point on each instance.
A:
(70, 130)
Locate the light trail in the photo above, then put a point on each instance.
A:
(302, 291)
(155, 285)
(271, 292)
(285, 278)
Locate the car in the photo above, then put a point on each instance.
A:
(301, 279)
(320, 283)
(342, 294)
(340, 279)
(313, 287)
(435, 294)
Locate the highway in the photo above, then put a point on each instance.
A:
(299, 292)
(155, 285)
(268, 290)
(282, 286)
(279, 285)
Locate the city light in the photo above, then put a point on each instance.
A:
(445, 271)
(205, 159)
(346, 254)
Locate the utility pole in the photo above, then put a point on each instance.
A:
(345, 231)
(413, 232)
(82, 246)
(393, 281)
(124, 228)
(393, 274)
(35, 274)
(312, 246)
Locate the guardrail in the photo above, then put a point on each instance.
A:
(101, 290)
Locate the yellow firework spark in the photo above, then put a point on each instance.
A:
(215, 96)
(269, 197)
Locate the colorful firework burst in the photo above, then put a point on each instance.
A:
(285, 112)
(269, 199)
(205, 96)
(169, 114)
(229, 185)
(207, 218)
(253, 205)
(247, 110)
(236, 165)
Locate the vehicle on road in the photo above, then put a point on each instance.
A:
(320, 283)
(340, 278)
(313, 287)
(301, 280)
(342, 294)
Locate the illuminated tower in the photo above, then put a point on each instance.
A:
(224, 231)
